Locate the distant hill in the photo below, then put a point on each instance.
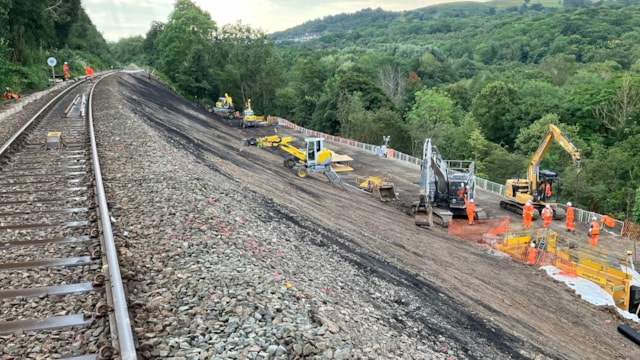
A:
(381, 18)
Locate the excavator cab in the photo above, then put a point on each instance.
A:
(316, 153)
(548, 186)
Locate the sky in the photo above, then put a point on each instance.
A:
(117, 19)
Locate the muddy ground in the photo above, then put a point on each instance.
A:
(488, 298)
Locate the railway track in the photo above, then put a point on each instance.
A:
(61, 293)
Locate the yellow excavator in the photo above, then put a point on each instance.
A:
(540, 186)
(249, 118)
(313, 158)
(224, 106)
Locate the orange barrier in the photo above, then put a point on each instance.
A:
(477, 232)
(608, 221)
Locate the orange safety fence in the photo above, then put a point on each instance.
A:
(483, 231)
(608, 221)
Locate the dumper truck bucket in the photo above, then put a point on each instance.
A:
(386, 191)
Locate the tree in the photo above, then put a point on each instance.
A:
(620, 112)
(392, 81)
(245, 64)
(559, 67)
(493, 107)
(430, 117)
(185, 47)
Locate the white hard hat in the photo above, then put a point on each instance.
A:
(471, 200)
(594, 219)
(528, 201)
(548, 206)
(569, 203)
(65, 62)
(532, 244)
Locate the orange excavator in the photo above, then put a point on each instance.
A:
(8, 95)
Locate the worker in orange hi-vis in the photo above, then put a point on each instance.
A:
(571, 226)
(462, 192)
(65, 69)
(527, 214)
(532, 254)
(89, 73)
(594, 232)
(547, 191)
(471, 209)
(547, 216)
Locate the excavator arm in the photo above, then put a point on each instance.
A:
(554, 133)
(423, 212)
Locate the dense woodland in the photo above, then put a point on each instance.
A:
(34, 30)
(483, 80)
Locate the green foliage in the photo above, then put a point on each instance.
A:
(479, 79)
(635, 215)
(501, 164)
(493, 108)
(33, 30)
(129, 51)
(186, 48)
(430, 117)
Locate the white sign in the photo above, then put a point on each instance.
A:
(52, 61)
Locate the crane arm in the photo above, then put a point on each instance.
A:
(554, 133)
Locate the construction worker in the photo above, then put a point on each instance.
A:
(462, 192)
(547, 190)
(89, 73)
(532, 254)
(547, 216)
(65, 68)
(527, 215)
(571, 226)
(471, 209)
(594, 232)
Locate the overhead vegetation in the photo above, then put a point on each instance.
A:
(484, 80)
(31, 31)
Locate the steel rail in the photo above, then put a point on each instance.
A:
(127, 350)
(13, 138)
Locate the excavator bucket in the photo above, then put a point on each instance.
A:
(423, 215)
(387, 191)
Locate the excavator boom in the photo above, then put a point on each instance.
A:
(518, 191)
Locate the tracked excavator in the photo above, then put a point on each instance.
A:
(224, 106)
(541, 186)
(444, 185)
(249, 118)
